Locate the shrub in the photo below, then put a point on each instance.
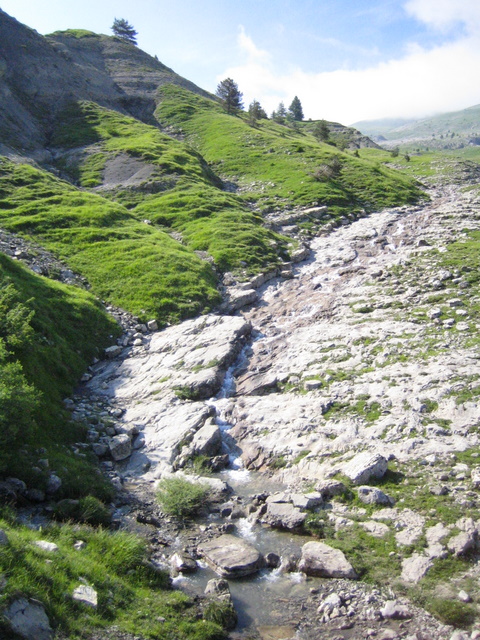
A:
(451, 612)
(180, 497)
(221, 613)
(88, 510)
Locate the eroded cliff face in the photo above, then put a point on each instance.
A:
(40, 75)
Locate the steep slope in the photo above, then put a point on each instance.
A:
(39, 76)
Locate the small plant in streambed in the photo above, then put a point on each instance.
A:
(180, 497)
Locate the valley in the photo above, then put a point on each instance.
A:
(238, 364)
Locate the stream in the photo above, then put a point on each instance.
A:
(267, 375)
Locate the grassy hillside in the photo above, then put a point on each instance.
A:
(275, 166)
(126, 261)
(49, 334)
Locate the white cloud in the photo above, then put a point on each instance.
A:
(421, 83)
(441, 14)
(247, 46)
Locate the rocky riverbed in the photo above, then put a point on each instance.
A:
(341, 401)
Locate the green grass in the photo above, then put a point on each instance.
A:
(67, 329)
(180, 497)
(127, 262)
(131, 594)
(275, 164)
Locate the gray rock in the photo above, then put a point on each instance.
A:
(231, 557)
(307, 500)
(330, 488)
(395, 610)
(3, 538)
(79, 545)
(462, 543)
(53, 484)
(219, 589)
(284, 516)
(240, 298)
(29, 620)
(120, 447)
(86, 595)
(152, 325)
(46, 546)
(207, 441)
(372, 495)
(272, 560)
(181, 562)
(318, 559)
(364, 466)
(475, 477)
(113, 352)
(463, 596)
(99, 449)
(35, 495)
(415, 567)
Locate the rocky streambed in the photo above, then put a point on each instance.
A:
(341, 401)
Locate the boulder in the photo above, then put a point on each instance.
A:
(86, 595)
(372, 495)
(53, 484)
(120, 447)
(113, 352)
(475, 477)
(29, 620)
(231, 557)
(415, 567)
(330, 488)
(3, 538)
(272, 560)
(462, 543)
(318, 559)
(364, 466)
(306, 500)
(240, 298)
(219, 589)
(394, 610)
(283, 516)
(207, 441)
(181, 562)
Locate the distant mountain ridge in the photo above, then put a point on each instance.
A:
(463, 125)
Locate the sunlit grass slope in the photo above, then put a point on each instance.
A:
(274, 165)
(127, 262)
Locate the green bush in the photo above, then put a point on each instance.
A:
(88, 510)
(452, 612)
(221, 613)
(180, 497)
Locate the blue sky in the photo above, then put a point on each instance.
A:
(347, 60)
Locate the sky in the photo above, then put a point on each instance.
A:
(347, 60)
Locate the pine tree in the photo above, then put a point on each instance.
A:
(321, 131)
(227, 90)
(255, 113)
(280, 114)
(124, 30)
(295, 109)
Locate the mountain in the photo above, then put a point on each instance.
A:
(444, 131)
(380, 127)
